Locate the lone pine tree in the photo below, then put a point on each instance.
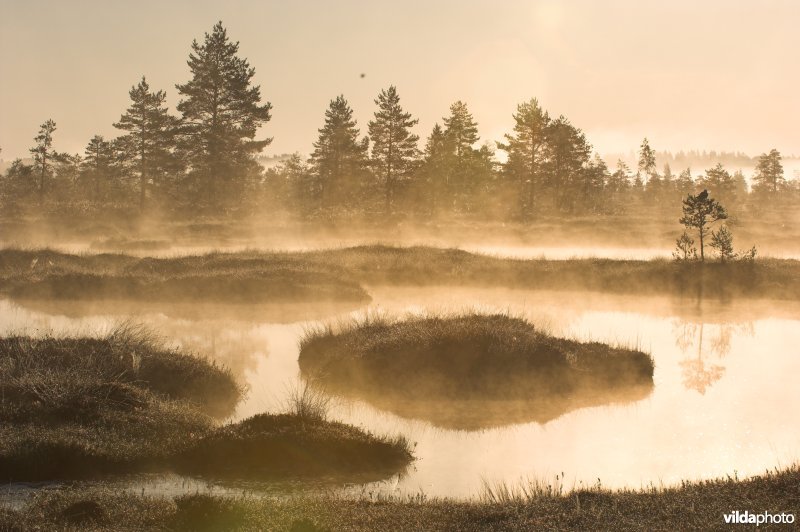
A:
(699, 212)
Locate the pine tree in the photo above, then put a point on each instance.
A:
(222, 112)
(339, 159)
(647, 161)
(722, 241)
(44, 156)
(394, 148)
(684, 248)
(147, 147)
(567, 154)
(769, 173)
(97, 162)
(526, 150)
(435, 167)
(461, 132)
(685, 183)
(668, 179)
(720, 182)
(699, 212)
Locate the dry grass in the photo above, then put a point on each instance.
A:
(77, 407)
(690, 506)
(47, 275)
(339, 273)
(85, 407)
(482, 370)
(291, 445)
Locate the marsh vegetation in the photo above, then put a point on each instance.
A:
(341, 275)
(579, 508)
(87, 407)
(452, 313)
(470, 370)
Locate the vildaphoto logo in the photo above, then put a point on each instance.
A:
(746, 518)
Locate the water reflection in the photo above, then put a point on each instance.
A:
(195, 310)
(699, 372)
(739, 423)
(483, 414)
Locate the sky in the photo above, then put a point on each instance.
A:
(713, 74)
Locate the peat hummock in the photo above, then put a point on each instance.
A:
(73, 408)
(290, 445)
(471, 371)
(83, 407)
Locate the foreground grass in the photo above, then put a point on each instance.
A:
(338, 273)
(83, 407)
(691, 506)
(469, 368)
(76, 407)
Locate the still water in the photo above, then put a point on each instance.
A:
(724, 400)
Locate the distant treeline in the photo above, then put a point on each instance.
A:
(694, 159)
(206, 161)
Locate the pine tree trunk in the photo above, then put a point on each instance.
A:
(702, 255)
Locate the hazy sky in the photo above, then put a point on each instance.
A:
(687, 74)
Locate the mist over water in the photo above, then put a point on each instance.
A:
(715, 408)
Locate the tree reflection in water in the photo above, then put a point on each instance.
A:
(699, 373)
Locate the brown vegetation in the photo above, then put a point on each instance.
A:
(470, 371)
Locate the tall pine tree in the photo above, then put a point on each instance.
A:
(97, 163)
(222, 112)
(567, 155)
(461, 132)
(44, 156)
(339, 159)
(147, 146)
(769, 173)
(647, 162)
(526, 149)
(431, 185)
(394, 148)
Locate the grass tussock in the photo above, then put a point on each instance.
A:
(306, 401)
(280, 445)
(470, 366)
(77, 407)
(46, 371)
(690, 506)
(86, 407)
